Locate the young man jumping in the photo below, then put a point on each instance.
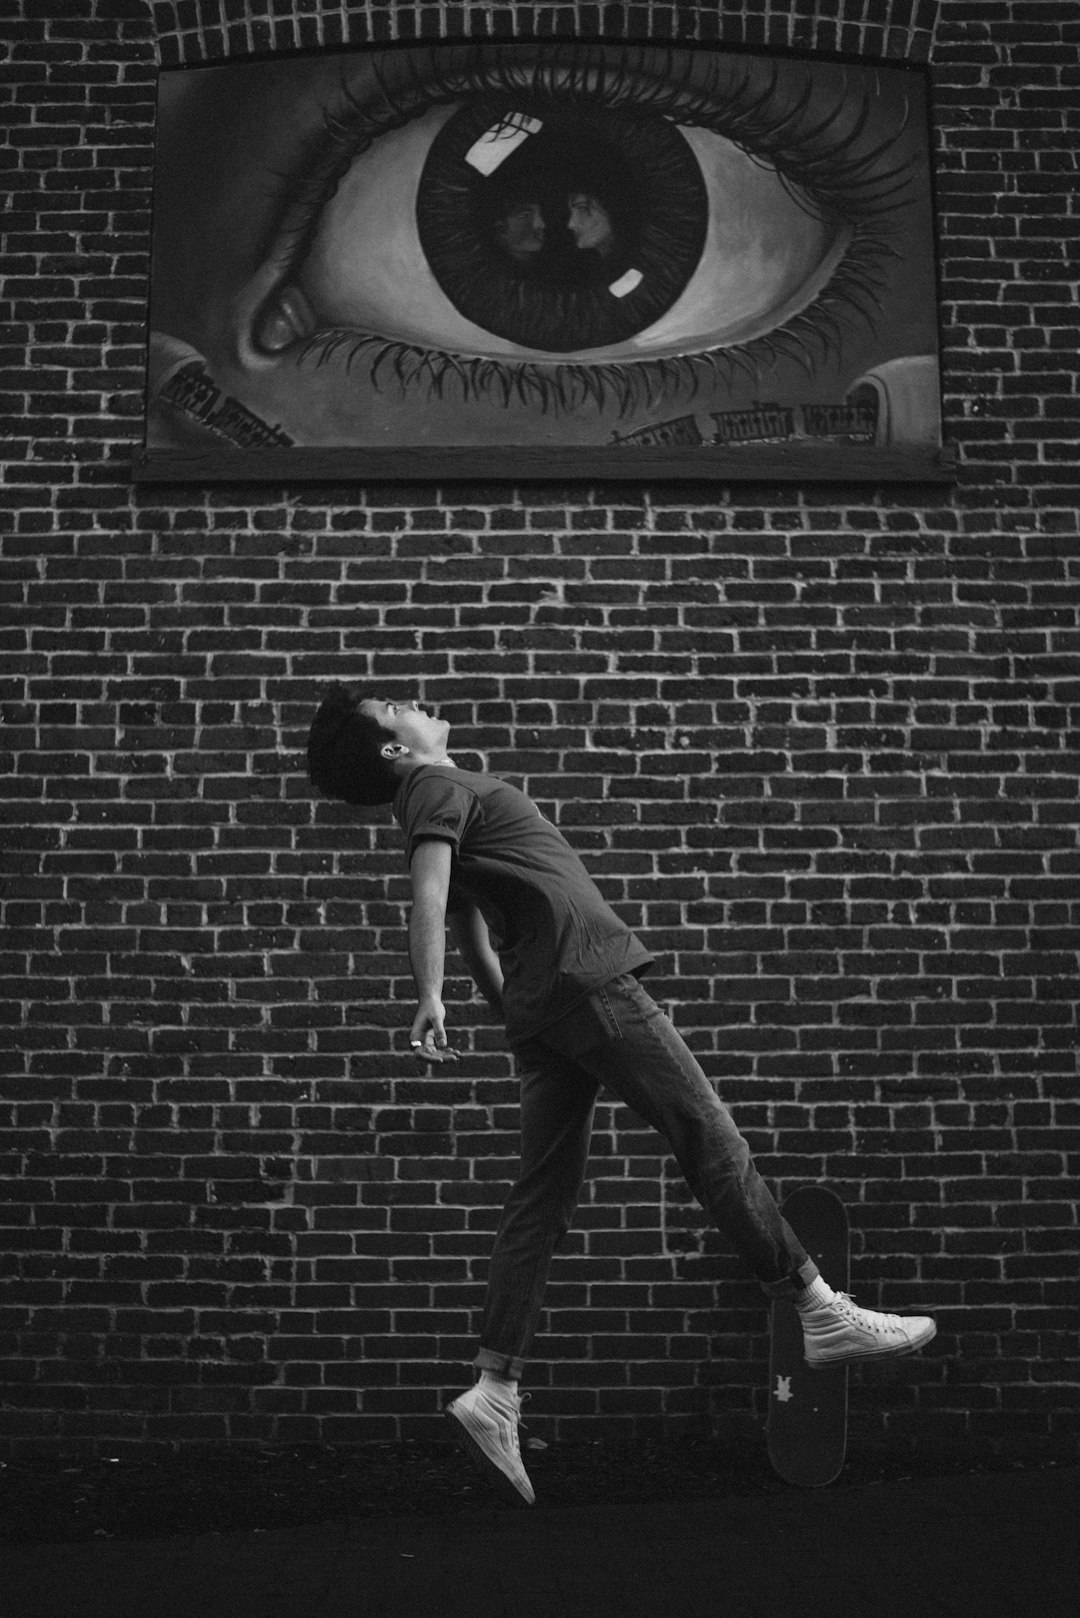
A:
(554, 960)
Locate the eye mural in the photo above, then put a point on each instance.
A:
(548, 246)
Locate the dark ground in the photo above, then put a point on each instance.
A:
(145, 1495)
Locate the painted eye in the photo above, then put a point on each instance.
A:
(710, 249)
(564, 214)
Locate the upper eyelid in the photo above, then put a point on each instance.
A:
(739, 110)
(351, 126)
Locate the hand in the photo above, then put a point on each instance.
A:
(427, 1037)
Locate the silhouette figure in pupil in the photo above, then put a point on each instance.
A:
(564, 216)
(523, 232)
(590, 225)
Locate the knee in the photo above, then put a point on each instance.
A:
(523, 1213)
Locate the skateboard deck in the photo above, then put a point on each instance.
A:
(806, 1428)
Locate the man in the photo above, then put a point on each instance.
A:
(560, 967)
(522, 232)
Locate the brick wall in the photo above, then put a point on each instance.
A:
(234, 1211)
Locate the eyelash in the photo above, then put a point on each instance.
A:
(817, 167)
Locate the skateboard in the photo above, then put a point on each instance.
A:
(806, 1428)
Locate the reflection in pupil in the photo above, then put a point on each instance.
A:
(559, 225)
(590, 225)
(563, 218)
(521, 233)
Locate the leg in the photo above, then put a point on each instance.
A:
(557, 1103)
(644, 1062)
(626, 1042)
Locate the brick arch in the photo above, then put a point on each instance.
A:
(208, 30)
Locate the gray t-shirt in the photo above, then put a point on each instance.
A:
(557, 938)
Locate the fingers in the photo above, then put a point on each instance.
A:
(433, 1049)
(426, 1050)
(427, 1038)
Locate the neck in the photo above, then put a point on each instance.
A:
(414, 763)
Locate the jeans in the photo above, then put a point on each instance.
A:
(619, 1038)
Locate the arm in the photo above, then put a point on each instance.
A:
(469, 931)
(430, 872)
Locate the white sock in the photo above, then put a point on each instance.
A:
(817, 1293)
(497, 1383)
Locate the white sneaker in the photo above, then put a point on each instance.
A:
(839, 1332)
(485, 1423)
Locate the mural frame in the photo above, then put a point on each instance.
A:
(799, 235)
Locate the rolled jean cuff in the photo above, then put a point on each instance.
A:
(502, 1364)
(792, 1285)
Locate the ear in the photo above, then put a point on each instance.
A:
(393, 751)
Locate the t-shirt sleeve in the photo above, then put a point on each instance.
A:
(437, 806)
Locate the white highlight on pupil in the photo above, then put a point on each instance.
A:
(496, 144)
(626, 283)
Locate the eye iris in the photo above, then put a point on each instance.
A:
(560, 227)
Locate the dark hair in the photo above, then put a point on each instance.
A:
(343, 754)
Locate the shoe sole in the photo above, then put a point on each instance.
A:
(854, 1356)
(476, 1452)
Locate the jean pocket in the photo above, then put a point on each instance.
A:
(591, 1023)
(601, 1004)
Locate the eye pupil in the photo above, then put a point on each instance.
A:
(584, 233)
